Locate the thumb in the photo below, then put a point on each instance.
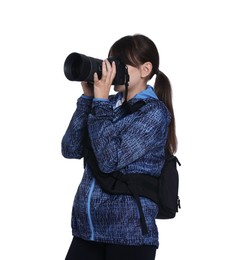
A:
(95, 77)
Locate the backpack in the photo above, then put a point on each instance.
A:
(168, 188)
(163, 190)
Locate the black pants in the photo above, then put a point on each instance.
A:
(87, 250)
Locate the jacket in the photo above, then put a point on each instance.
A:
(130, 143)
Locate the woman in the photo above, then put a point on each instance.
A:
(106, 226)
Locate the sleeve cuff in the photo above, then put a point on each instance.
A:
(102, 108)
(84, 103)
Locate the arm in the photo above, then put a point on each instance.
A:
(72, 142)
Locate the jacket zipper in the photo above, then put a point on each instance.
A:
(89, 210)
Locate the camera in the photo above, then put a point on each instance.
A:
(79, 67)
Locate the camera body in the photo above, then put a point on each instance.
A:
(79, 67)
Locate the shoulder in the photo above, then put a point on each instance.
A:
(155, 108)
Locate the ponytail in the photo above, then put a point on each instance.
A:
(163, 91)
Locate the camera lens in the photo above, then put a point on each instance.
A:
(79, 67)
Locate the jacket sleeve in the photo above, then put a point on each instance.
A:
(117, 143)
(72, 141)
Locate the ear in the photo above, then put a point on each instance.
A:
(146, 69)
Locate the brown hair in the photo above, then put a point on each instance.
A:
(137, 49)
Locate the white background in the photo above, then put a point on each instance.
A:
(37, 184)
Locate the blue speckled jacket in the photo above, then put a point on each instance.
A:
(131, 143)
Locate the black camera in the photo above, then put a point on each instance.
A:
(79, 67)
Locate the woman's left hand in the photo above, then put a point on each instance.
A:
(102, 86)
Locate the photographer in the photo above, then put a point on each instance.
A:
(128, 132)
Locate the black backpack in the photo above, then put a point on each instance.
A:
(168, 188)
(163, 190)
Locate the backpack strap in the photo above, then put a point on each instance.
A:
(134, 107)
(136, 196)
(117, 183)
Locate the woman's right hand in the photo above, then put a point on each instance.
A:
(87, 89)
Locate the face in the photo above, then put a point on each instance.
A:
(136, 82)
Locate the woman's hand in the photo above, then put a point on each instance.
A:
(102, 86)
(87, 89)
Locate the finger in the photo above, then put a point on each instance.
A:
(95, 77)
(114, 70)
(111, 70)
(104, 70)
(108, 65)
